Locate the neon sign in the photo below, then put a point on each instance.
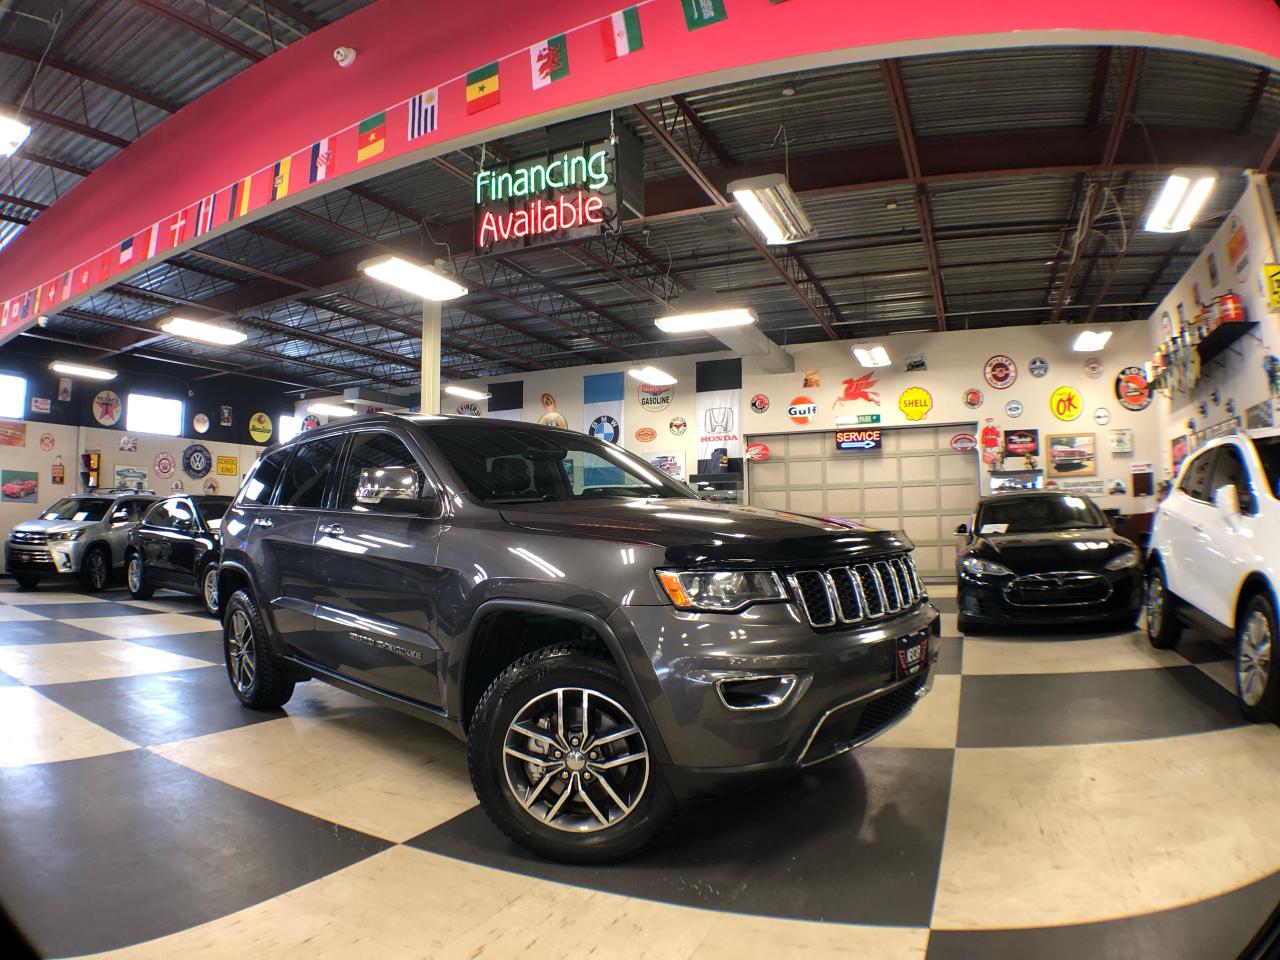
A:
(564, 195)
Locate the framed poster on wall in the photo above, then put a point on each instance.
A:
(1072, 455)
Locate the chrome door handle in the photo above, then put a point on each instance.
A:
(263, 522)
(332, 529)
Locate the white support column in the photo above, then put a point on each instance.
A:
(431, 310)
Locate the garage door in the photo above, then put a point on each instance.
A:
(917, 483)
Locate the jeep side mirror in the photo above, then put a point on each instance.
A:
(962, 530)
(396, 488)
(1227, 500)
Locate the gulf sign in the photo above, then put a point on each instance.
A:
(802, 410)
(858, 440)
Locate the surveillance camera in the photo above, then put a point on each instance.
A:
(344, 56)
(191, 393)
(42, 321)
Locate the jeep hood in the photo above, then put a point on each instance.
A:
(699, 531)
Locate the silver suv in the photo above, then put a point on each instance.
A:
(84, 535)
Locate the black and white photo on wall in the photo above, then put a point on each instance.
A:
(224, 416)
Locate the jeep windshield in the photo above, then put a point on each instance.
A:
(84, 509)
(1043, 513)
(503, 465)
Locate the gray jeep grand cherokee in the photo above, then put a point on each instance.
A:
(603, 640)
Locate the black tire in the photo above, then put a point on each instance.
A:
(1164, 629)
(135, 574)
(613, 830)
(259, 679)
(25, 581)
(211, 606)
(95, 569)
(1257, 685)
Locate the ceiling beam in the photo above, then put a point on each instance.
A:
(295, 13)
(21, 202)
(197, 26)
(704, 132)
(25, 154)
(53, 120)
(92, 76)
(896, 92)
(721, 202)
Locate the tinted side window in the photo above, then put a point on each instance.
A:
(258, 488)
(166, 514)
(1229, 471)
(371, 451)
(304, 480)
(1195, 482)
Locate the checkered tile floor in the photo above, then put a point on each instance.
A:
(1056, 796)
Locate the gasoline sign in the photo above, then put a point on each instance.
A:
(858, 440)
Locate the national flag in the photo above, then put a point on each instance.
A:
(153, 240)
(371, 137)
(702, 13)
(177, 228)
(321, 160)
(280, 178)
(39, 290)
(204, 214)
(621, 33)
(106, 267)
(66, 285)
(82, 278)
(238, 204)
(126, 251)
(4, 315)
(482, 88)
(549, 61)
(26, 305)
(422, 113)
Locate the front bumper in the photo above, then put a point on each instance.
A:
(987, 600)
(850, 687)
(45, 561)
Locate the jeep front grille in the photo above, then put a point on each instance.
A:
(853, 594)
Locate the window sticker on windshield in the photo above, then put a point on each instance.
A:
(994, 528)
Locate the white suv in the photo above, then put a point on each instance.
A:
(1214, 559)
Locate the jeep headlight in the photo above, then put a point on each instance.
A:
(977, 567)
(1123, 561)
(720, 591)
(66, 536)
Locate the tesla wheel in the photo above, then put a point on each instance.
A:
(25, 582)
(95, 570)
(259, 678)
(1256, 684)
(136, 577)
(1163, 627)
(209, 589)
(559, 762)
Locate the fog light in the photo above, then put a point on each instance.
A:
(757, 693)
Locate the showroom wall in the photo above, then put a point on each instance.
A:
(1240, 384)
(954, 363)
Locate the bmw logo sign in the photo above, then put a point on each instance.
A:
(605, 428)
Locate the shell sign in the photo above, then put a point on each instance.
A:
(1066, 403)
(915, 403)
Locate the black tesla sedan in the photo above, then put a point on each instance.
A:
(1045, 557)
(176, 547)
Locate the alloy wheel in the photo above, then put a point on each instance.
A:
(97, 569)
(135, 574)
(211, 589)
(242, 651)
(576, 760)
(1155, 605)
(1253, 662)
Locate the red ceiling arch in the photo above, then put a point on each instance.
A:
(278, 108)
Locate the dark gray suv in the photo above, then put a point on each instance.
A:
(604, 641)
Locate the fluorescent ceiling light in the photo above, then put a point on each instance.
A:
(1180, 201)
(330, 410)
(466, 393)
(876, 356)
(652, 375)
(1090, 340)
(424, 282)
(81, 370)
(13, 134)
(773, 207)
(706, 320)
(204, 332)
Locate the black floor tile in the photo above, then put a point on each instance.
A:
(110, 851)
(856, 840)
(206, 645)
(79, 611)
(159, 707)
(1034, 710)
(950, 655)
(43, 631)
(1214, 929)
